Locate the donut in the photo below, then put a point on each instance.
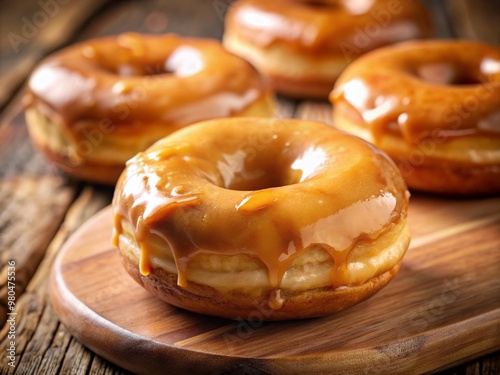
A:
(434, 107)
(94, 105)
(269, 219)
(302, 46)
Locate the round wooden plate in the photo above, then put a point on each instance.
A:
(442, 308)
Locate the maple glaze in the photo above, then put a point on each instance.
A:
(270, 189)
(328, 28)
(419, 90)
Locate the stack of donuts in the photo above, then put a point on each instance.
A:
(222, 209)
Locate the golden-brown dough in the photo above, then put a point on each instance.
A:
(302, 46)
(434, 107)
(283, 218)
(94, 105)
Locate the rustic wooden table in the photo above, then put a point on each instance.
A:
(40, 207)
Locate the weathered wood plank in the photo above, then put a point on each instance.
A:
(32, 29)
(315, 111)
(285, 108)
(31, 210)
(187, 18)
(475, 19)
(77, 359)
(34, 197)
(56, 351)
(440, 18)
(40, 339)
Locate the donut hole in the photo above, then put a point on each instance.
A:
(255, 180)
(128, 70)
(254, 174)
(183, 61)
(270, 168)
(320, 4)
(131, 68)
(447, 74)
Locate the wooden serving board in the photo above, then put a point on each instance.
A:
(443, 308)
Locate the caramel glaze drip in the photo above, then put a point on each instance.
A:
(276, 300)
(339, 28)
(311, 185)
(425, 90)
(137, 80)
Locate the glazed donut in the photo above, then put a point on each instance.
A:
(302, 46)
(268, 218)
(94, 105)
(434, 107)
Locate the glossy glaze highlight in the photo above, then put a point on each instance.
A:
(331, 28)
(94, 105)
(434, 107)
(459, 96)
(183, 197)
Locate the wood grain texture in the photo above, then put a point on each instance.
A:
(27, 229)
(34, 197)
(473, 19)
(44, 344)
(32, 29)
(441, 309)
(188, 18)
